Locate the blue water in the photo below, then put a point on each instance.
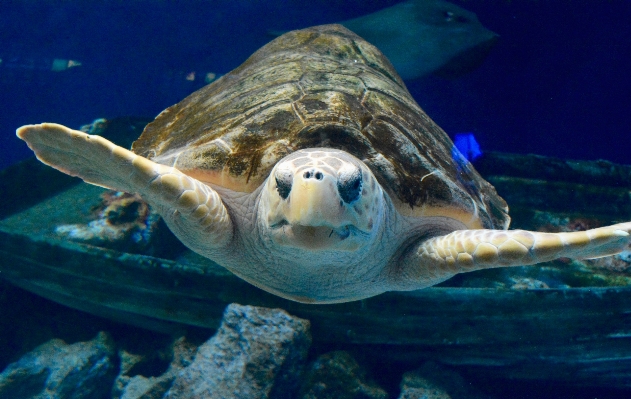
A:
(557, 83)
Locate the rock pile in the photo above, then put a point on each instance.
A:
(256, 353)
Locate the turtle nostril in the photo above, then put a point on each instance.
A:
(310, 173)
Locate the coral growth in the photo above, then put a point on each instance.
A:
(122, 221)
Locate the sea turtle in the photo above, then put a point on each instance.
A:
(310, 172)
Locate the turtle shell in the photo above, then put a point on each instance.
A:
(321, 87)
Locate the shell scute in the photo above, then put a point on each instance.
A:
(334, 107)
(327, 81)
(374, 83)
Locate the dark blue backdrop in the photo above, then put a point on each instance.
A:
(557, 83)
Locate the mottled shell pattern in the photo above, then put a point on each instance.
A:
(321, 87)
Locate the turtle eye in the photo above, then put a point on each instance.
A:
(349, 185)
(284, 179)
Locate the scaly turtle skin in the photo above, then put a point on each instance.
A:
(310, 172)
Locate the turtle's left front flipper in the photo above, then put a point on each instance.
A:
(439, 258)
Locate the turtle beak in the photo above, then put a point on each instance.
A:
(314, 201)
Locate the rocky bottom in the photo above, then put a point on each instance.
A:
(51, 351)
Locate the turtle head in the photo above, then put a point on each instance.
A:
(322, 199)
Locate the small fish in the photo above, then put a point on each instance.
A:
(421, 37)
(465, 146)
(44, 64)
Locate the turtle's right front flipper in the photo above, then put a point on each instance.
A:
(439, 258)
(193, 210)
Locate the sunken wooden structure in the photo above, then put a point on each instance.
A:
(571, 333)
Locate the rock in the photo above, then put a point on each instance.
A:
(433, 381)
(336, 375)
(132, 383)
(256, 353)
(58, 370)
(97, 127)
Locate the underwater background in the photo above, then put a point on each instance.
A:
(556, 82)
